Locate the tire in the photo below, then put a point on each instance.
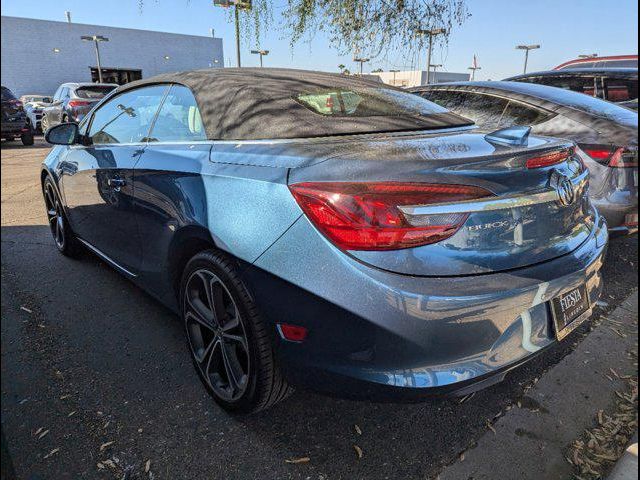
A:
(257, 381)
(63, 237)
(27, 138)
(44, 124)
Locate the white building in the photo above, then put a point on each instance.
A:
(415, 78)
(38, 55)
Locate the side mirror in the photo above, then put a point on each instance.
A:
(62, 134)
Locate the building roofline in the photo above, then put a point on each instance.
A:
(109, 26)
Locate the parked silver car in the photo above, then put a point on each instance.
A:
(606, 133)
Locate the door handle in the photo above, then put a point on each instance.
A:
(116, 183)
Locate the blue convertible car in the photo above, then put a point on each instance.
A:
(320, 230)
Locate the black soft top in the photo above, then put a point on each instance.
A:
(258, 103)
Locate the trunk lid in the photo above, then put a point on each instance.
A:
(523, 223)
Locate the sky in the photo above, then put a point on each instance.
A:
(563, 28)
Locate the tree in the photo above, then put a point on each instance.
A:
(369, 27)
(377, 70)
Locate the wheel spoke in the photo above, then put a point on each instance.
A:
(195, 315)
(217, 343)
(198, 307)
(217, 297)
(232, 367)
(239, 339)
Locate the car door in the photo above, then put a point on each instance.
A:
(169, 191)
(50, 110)
(97, 176)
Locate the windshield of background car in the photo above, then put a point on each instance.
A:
(367, 102)
(7, 95)
(93, 92)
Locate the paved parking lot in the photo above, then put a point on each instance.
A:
(97, 381)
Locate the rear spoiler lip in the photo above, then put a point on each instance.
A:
(516, 136)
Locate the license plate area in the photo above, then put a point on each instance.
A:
(567, 307)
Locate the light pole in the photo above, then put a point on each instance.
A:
(95, 39)
(361, 61)
(262, 53)
(435, 71)
(526, 49)
(431, 33)
(394, 76)
(473, 72)
(238, 4)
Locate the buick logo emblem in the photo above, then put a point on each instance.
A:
(564, 188)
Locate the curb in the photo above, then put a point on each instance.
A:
(530, 442)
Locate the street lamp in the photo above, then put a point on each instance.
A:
(238, 5)
(473, 72)
(262, 53)
(95, 39)
(526, 49)
(435, 71)
(394, 76)
(361, 61)
(431, 33)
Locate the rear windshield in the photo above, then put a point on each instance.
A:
(7, 95)
(367, 102)
(93, 92)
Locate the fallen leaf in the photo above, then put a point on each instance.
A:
(43, 434)
(105, 445)
(100, 465)
(26, 309)
(65, 396)
(71, 414)
(490, 427)
(357, 428)
(147, 466)
(52, 452)
(298, 460)
(38, 431)
(359, 452)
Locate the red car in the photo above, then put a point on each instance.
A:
(620, 61)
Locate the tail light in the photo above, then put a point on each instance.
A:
(78, 103)
(614, 157)
(549, 159)
(366, 216)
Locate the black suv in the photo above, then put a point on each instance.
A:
(14, 120)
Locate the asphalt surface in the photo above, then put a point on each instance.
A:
(89, 359)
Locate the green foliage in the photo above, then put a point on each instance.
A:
(366, 27)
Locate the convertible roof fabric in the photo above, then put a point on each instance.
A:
(258, 103)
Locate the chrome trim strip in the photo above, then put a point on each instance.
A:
(106, 258)
(494, 203)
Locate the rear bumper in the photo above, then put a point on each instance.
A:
(377, 334)
(15, 128)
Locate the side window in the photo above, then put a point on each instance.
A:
(485, 110)
(64, 95)
(126, 118)
(620, 89)
(581, 84)
(440, 97)
(179, 118)
(520, 114)
(56, 96)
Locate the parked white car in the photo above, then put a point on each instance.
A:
(33, 105)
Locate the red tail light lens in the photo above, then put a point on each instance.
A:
(78, 103)
(619, 157)
(549, 159)
(366, 216)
